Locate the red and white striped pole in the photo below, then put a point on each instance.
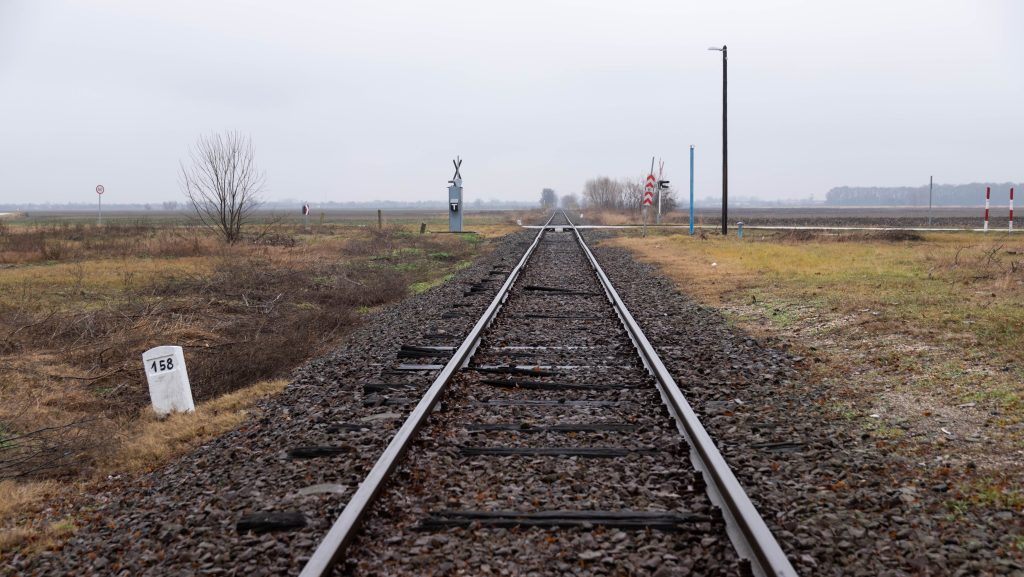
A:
(988, 195)
(1011, 209)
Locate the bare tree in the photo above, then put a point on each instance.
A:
(603, 192)
(570, 201)
(633, 193)
(223, 183)
(548, 198)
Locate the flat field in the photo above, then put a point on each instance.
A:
(917, 339)
(908, 217)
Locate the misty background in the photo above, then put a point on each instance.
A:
(365, 101)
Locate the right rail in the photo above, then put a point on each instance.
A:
(747, 530)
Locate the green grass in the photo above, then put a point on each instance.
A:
(5, 441)
(424, 286)
(958, 508)
(883, 430)
(843, 411)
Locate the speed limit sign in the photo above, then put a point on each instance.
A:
(99, 189)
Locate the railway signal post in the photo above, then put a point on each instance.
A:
(455, 206)
(662, 186)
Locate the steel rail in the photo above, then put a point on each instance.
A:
(747, 530)
(331, 548)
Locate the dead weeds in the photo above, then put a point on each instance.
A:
(79, 304)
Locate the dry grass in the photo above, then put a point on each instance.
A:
(246, 315)
(16, 498)
(610, 217)
(141, 445)
(915, 342)
(74, 322)
(937, 321)
(149, 442)
(19, 528)
(951, 284)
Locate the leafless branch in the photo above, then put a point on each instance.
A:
(223, 183)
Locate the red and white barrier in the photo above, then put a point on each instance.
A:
(988, 196)
(1011, 209)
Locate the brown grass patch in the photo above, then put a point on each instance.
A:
(149, 442)
(19, 530)
(80, 303)
(72, 332)
(141, 445)
(924, 334)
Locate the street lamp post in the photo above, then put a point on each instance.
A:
(725, 137)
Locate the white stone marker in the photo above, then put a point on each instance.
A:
(168, 381)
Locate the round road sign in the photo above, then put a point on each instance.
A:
(99, 189)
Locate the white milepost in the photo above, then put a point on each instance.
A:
(168, 380)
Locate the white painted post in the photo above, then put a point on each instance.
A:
(169, 388)
(1011, 209)
(988, 195)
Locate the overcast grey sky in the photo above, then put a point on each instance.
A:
(357, 100)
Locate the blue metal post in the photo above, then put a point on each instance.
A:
(691, 190)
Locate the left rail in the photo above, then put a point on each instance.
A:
(331, 548)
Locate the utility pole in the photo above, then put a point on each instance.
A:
(691, 190)
(725, 138)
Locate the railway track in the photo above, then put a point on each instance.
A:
(551, 441)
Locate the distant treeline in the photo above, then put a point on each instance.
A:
(972, 194)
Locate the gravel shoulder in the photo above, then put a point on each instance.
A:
(842, 500)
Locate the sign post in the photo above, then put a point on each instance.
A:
(648, 194)
(99, 206)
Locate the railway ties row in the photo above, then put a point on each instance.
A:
(548, 435)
